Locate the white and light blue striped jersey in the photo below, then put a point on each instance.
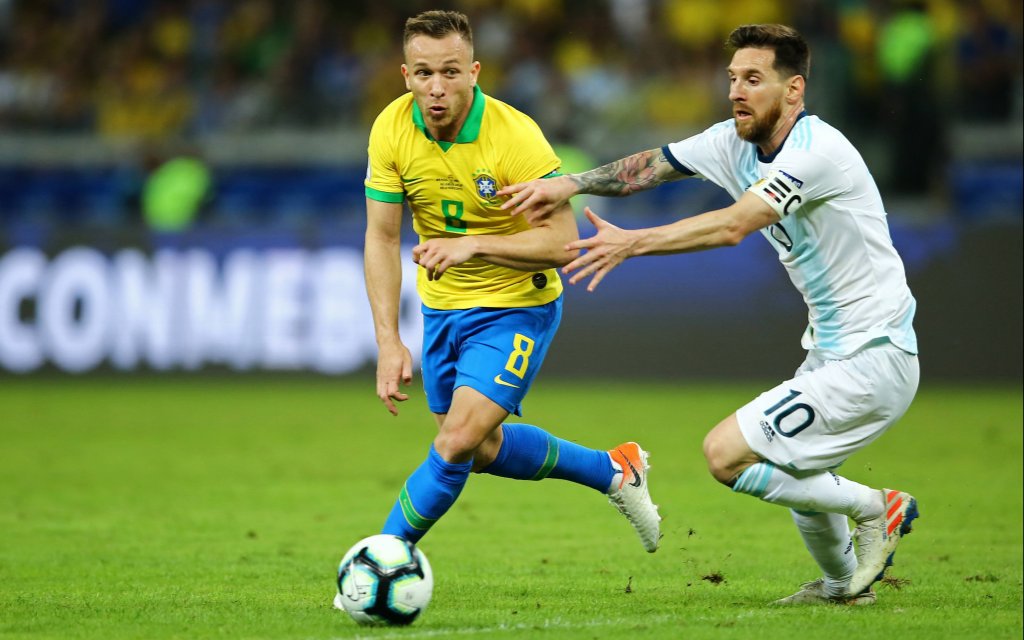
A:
(832, 235)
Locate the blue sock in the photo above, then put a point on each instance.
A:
(530, 453)
(427, 495)
(754, 479)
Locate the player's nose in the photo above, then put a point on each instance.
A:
(735, 93)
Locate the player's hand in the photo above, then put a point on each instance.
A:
(394, 366)
(437, 255)
(605, 250)
(537, 199)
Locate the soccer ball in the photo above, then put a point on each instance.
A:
(384, 579)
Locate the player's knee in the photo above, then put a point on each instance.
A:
(457, 442)
(453, 446)
(720, 464)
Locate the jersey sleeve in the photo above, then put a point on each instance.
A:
(531, 156)
(698, 155)
(799, 177)
(383, 180)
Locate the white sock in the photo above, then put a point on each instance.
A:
(827, 537)
(823, 491)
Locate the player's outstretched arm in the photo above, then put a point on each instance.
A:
(537, 199)
(383, 269)
(611, 246)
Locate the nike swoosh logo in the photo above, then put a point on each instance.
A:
(498, 379)
(409, 180)
(636, 476)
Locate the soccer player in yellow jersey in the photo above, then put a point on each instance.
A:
(492, 298)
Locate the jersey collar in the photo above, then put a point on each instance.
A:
(470, 128)
(771, 158)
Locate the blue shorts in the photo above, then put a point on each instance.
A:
(498, 352)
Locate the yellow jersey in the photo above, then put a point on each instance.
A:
(451, 189)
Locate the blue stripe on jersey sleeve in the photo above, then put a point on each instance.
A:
(678, 166)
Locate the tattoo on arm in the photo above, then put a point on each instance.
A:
(640, 171)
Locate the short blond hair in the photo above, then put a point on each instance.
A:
(438, 24)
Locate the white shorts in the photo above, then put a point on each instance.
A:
(830, 409)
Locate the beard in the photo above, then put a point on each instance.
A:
(442, 124)
(759, 129)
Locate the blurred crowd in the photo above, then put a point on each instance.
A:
(191, 67)
(597, 75)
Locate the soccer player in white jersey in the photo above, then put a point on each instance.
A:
(802, 184)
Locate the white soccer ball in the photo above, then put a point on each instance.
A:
(384, 579)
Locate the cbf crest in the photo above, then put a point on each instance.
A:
(486, 185)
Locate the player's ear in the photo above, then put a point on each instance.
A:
(795, 91)
(405, 74)
(474, 73)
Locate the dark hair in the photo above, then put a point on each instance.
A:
(438, 24)
(792, 55)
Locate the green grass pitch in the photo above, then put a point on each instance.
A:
(219, 507)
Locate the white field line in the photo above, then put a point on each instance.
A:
(552, 623)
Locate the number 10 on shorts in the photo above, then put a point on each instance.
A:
(798, 408)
